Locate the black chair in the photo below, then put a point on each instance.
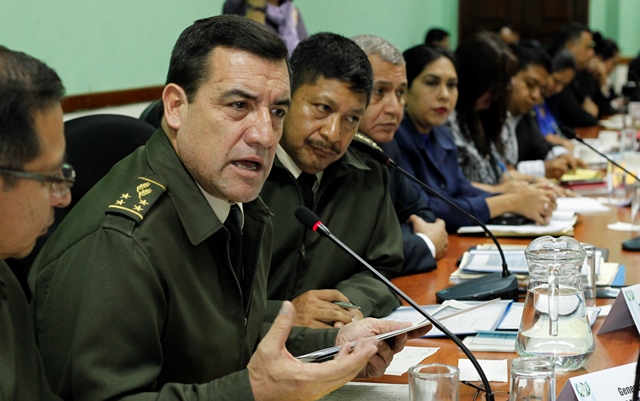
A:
(153, 113)
(94, 144)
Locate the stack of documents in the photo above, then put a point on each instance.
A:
(561, 223)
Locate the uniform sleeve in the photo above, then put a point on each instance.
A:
(384, 252)
(22, 375)
(100, 328)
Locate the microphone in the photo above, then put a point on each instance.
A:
(493, 285)
(571, 134)
(311, 221)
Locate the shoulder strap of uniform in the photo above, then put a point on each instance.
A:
(136, 201)
(364, 143)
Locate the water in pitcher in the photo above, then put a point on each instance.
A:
(554, 321)
(573, 344)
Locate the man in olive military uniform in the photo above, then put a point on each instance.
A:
(346, 188)
(33, 182)
(140, 292)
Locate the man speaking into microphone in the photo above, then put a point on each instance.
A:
(349, 190)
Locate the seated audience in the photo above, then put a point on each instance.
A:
(563, 70)
(604, 95)
(437, 37)
(575, 107)
(428, 150)
(424, 237)
(154, 286)
(33, 181)
(280, 16)
(526, 147)
(345, 187)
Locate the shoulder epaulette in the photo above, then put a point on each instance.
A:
(136, 202)
(363, 142)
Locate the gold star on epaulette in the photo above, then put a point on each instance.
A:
(147, 191)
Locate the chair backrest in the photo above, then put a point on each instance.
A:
(94, 144)
(153, 113)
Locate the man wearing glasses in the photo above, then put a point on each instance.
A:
(33, 180)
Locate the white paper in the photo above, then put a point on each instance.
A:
(369, 392)
(511, 320)
(484, 318)
(621, 226)
(580, 205)
(495, 370)
(555, 226)
(408, 357)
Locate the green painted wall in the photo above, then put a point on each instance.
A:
(618, 20)
(119, 44)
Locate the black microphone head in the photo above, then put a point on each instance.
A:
(569, 133)
(379, 156)
(307, 217)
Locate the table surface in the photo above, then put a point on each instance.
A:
(613, 349)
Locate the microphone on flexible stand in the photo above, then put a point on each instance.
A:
(571, 134)
(632, 244)
(493, 285)
(311, 221)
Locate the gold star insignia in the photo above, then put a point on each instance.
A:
(125, 196)
(138, 208)
(120, 202)
(144, 202)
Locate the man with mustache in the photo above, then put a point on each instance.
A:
(346, 188)
(154, 286)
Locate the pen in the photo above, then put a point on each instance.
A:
(505, 170)
(346, 305)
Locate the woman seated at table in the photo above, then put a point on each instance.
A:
(428, 150)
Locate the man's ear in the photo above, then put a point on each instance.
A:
(175, 105)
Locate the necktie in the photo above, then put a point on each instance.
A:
(306, 182)
(234, 225)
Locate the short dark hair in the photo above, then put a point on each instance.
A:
(331, 56)
(189, 62)
(485, 64)
(435, 35)
(419, 57)
(27, 86)
(604, 48)
(528, 54)
(563, 60)
(571, 32)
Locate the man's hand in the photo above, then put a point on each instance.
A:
(436, 232)
(316, 309)
(562, 164)
(276, 375)
(386, 349)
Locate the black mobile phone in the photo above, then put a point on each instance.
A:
(510, 220)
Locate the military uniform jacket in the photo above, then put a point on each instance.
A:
(135, 297)
(22, 375)
(353, 202)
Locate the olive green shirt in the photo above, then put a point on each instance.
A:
(22, 375)
(353, 202)
(135, 297)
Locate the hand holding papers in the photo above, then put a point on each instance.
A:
(327, 353)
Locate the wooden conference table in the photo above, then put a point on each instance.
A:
(613, 349)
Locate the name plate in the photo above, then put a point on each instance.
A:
(625, 311)
(615, 384)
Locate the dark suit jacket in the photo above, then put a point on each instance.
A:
(531, 143)
(441, 173)
(407, 201)
(569, 101)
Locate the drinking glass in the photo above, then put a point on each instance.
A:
(532, 378)
(635, 204)
(433, 382)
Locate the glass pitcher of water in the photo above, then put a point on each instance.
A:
(554, 321)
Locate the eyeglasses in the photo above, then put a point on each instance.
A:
(60, 184)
